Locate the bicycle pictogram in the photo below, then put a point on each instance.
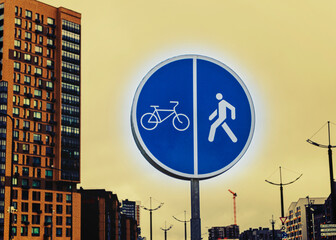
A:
(150, 120)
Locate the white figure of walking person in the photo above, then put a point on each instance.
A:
(221, 113)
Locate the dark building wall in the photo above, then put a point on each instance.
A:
(100, 215)
(128, 228)
(228, 232)
(260, 233)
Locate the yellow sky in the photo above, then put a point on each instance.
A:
(284, 51)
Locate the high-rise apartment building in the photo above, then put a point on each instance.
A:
(40, 93)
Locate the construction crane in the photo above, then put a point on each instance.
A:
(234, 206)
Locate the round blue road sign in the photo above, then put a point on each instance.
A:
(192, 117)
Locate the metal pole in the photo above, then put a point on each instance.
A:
(150, 209)
(150, 216)
(185, 226)
(281, 196)
(313, 224)
(273, 233)
(195, 222)
(333, 193)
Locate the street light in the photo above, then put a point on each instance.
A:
(10, 209)
(185, 224)
(331, 173)
(166, 230)
(150, 209)
(281, 184)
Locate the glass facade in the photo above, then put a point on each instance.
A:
(70, 133)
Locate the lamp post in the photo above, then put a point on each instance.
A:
(10, 209)
(150, 209)
(281, 192)
(71, 186)
(331, 173)
(185, 224)
(165, 229)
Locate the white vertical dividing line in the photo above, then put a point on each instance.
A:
(195, 115)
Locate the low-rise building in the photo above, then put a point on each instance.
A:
(260, 233)
(299, 224)
(228, 232)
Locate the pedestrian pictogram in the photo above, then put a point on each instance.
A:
(192, 117)
(220, 113)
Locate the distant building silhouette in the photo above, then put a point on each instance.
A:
(260, 234)
(228, 232)
(132, 210)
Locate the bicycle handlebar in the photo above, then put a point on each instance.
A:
(176, 103)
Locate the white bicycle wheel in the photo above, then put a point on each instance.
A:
(181, 122)
(149, 121)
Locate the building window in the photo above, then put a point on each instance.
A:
(38, 28)
(28, 14)
(59, 220)
(16, 111)
(37, 93)
(24, 207)
(14, 230)
(17, 44)
(24, 231)
(68, 209)
(16, 89)
(68, 198)
(38, 115)
(25, 171)
(48, 208)
(37, 137)
(68, 221)
(38, 50)
(35, 231)
(27, 57)
(17, 21)
(50, 21)
(68, 232)
(24, 218)
(28, 36)
(38, 71)
(59, 232)
(59, 209)
(36, 219)
(17, 66)
(48, 197)
(59, 197)
(24, 185)
(36, 184)
(49, 174)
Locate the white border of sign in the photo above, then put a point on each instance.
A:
(150, 157)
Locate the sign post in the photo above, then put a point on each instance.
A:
(192, 118)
